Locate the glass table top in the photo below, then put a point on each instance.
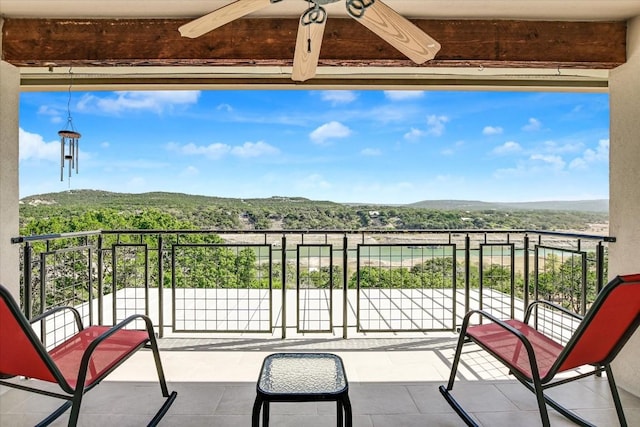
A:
(302, 373)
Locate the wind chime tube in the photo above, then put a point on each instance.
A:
(70, 156)
(72, 138)
(76, 156)
(61, 157)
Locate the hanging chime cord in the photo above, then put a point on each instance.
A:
(69, 120)
(308, 30)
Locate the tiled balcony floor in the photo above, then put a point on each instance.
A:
(393, 383)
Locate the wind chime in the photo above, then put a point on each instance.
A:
(69, 140)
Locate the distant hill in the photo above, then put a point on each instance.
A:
(158, 199)
(92, 209)
(600, 205)
(97, 198)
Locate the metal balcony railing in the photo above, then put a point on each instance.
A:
(311, 281)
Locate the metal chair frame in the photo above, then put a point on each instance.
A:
(73, 395)
(531, 377)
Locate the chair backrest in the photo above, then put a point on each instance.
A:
(21, 352)
(607, 326)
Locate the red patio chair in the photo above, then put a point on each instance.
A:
(78, 364)
(535, 359)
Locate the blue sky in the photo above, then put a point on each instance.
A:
(345, 146)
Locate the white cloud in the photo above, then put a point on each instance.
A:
(590, 156)
(436, 124)
(329, 130)
(578, 163)
(155, 101)
(338, 96)
(533, 125)
(414, 134)
(137, 164)
(508, 147)
(492, 130)
(535, 165)
(600, 154)
(390, 114)
(56, 115)
(211, 151)
(224, 107)
(555, 162)
(403, 95)
(105, 144)
(449, 151)
(371, 152)
(33, 147)
(218, 150)
(254, 149)
(554, 147)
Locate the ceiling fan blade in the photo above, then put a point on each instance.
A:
(220, 17)
(399, 32)
(308, 43)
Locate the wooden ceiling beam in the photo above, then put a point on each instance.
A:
(251, 42)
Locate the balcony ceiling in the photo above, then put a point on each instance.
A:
(556, 10)
(516, 43)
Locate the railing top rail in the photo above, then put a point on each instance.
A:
(610, 239)
(44, 237)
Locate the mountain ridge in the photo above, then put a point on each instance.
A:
(161, 197)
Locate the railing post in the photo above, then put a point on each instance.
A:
(513, 279)
(467, 273)
(345, 296)
(43, 283)
(583, 302)
(114, 284)
(26, 267)
(599, 267)
(160, 288)
(284, 287)
(90, 284)
(43, 296)
(536, 279)
(100, 281)
(526, 272)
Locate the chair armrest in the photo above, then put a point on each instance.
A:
(76, 315)
(494, 319)
(551, 305)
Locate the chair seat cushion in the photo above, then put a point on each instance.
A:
(68, 355)
(506, 346)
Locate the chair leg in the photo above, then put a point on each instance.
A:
(75, 407)
(616, 396)
(170, 397)
(156, 357)
(542, 405)
(456, 407)
(456, 358)
(558, 407)
(452, 377)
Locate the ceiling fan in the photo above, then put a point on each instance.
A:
(373, 14)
